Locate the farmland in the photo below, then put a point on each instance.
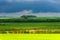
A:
(27, 26)
(46, 27)
(29, 36)
(17, 24)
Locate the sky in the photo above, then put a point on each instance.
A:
(17, 8)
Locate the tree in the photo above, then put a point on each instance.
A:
(24, 16)
(28, 16)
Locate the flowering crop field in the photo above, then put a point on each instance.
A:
(29, 36)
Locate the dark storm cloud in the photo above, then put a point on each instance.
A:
(9, 6)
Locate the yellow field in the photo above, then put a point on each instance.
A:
(29, 36)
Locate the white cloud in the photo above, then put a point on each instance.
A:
(29, 12)
(52, 1)
(22, 0)
(17, 14)
(9, 0)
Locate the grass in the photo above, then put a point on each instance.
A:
(29, 36)
(24, 26)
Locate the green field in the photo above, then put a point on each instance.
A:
(26, 26)
(29, 36)
(48, 24)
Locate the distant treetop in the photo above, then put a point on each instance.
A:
(28, 16)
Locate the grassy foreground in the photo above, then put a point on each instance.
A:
(24, 26)
(29, 36)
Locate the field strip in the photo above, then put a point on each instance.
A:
(29, 36)
(29, 31)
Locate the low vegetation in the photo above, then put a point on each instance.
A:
(35, 23)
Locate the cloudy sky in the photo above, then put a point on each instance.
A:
(32, 7)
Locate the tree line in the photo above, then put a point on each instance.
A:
(29, 20)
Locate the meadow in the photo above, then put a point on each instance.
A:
(27, 26)
(16, 24)
(35, 23)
